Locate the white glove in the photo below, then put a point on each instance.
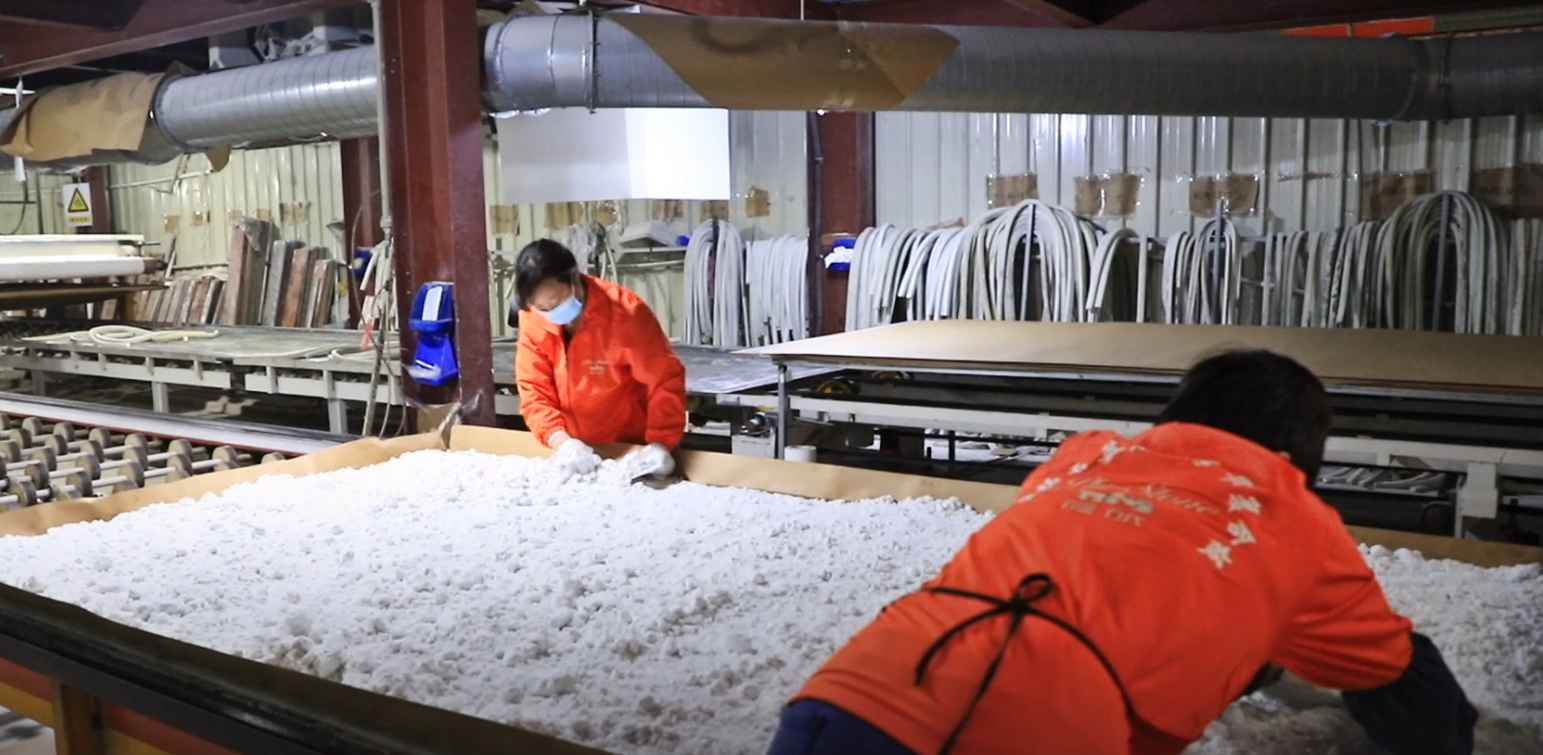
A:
(652, 459)
(574, 455)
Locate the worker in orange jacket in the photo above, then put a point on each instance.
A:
(1138, 587)
(593, 366)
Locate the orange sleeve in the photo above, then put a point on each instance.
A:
(655, 365)
(1344, 635)
(534, 378)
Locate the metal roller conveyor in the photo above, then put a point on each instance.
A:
(50, 459)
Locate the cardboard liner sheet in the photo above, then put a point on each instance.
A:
(1392, 358)
(74, 121)
(761, 64)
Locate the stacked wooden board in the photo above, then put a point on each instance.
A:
(1388, 358)
(267, 281)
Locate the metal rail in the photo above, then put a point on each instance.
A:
(222, 432)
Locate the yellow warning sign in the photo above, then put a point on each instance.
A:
(77, 204)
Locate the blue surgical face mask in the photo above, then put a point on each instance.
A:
(564, 313)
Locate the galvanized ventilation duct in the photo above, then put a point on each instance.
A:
(536, 62)
(568, 61)
(302, 99)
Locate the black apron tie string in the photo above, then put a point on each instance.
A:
(1020, 606)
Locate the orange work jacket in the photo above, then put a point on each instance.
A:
(1188, 557)
(617, 380)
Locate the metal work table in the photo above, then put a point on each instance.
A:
(1484, 434)
(324, 364)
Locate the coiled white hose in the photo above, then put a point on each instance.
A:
(1373, 274)
(777, 275)
(124, 335)
(715, 287)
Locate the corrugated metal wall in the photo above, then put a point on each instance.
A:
(19, 204)
(933, 168)
(187, 207)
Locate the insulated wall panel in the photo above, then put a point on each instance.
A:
(1310, 171)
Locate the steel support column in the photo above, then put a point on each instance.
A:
(841, 201)
(361, 206)
(101, 200)
(435, 136)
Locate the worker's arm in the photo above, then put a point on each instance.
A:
(655, 365)
(1423, 712)
(537, 384)
(1345, 636)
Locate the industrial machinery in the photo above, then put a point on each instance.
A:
(1414, 448)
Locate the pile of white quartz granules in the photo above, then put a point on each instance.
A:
(632, 620)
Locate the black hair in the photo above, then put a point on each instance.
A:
(1264, 397)
(541, 261)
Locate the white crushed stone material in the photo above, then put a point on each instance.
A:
(1488, 624)
(632, 620)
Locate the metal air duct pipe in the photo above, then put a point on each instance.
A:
(538, 62)
(535, 62)
(301, 99)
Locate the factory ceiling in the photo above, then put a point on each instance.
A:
(51, 42)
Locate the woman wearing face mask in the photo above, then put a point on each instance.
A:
(593, 366)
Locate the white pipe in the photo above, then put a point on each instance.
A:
(33, 268)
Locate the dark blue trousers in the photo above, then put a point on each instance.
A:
(810, 727)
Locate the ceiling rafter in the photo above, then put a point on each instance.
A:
(26, 48)
(92, 14)
(812, 9)
(1074, 14)
(1187, 15)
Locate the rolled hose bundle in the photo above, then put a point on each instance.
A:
(983, 271)
(715, 287)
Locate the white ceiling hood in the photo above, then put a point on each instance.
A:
(573, 155)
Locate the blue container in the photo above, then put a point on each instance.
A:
(433, 319)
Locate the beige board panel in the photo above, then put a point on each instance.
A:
(1339, 356)
(719, 470)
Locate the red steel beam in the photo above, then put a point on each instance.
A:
(26, 48)
(434, 139)
(91, 14)
(1077, 14)
(101, 200)
(361, 206)
(841, 202)
(1187, 15)
(956, 12)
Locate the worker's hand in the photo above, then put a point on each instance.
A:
(650, 460)
(575, 455)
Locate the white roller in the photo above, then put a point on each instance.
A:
(51, 268)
